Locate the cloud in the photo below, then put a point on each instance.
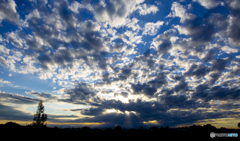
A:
(179, 11)
(15, 39)
(75, 6)
(9, 113)
(115, 12)
(198, 71)
(17, 99)
(97, 47)
(163, 41)
(66, 16)
(143, 88)
(233, 30)
(82, 93)
(199, 33)
(208, 56)
(208, 4)
(133, 24)
(207, 93)
(229, 50)
(114, 112)
(8, 11)
(234, 4)
(152, 28)
(46, 96)
(4, 81)
(3, 61)
(145, 9)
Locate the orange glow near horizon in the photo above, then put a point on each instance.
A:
(218, 123)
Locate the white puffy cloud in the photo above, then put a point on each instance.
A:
(134, 38)
(180, 11)
(234, 4)
(34, 14)
(15, 39)
(152, 28)
(4, 50)
(145, 9)
(116, 12)
(229, 50)
(208, 4)
(8, 11)
(133, 24)
(3, 61)
(75, 6)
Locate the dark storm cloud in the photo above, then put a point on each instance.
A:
(158, 81)
(92, 111)
(228, 106)
(45, 60)
(124, 94)
(17, 99)
(180, 87)
(214, 77)
(62, 57)
(139, 106)
(66, 15)
(177, 77)
(150, 88)
(228, 26)
(46, 33)
(165, 44)
(43, 95)
(142, 109)
(54, 118)
(220, 64)
(92, 41)
(105, 77)
(146, 57)
(207, 93)
(80, 94)
(209, 56)
(201, 32)
(112, 119)
(220, 21)
(148, 111)
(234, 30)
(9, 113)
(143, 88)
(180, 101)
(218, 92)
(34, 45)
(197, 70)
(111, 9)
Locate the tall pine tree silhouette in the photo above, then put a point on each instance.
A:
(40, 118)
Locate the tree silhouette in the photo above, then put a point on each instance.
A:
(239, 125)
(40, 117)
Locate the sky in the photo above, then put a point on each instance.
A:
(128, 63)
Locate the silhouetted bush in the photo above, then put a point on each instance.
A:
(10, 129)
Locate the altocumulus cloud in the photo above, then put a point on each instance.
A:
(121, 62)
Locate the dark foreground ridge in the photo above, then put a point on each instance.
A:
(13, 130)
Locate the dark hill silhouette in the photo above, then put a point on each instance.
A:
(12, 129)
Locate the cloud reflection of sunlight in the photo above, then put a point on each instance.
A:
(107, 111)
(127, 120)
